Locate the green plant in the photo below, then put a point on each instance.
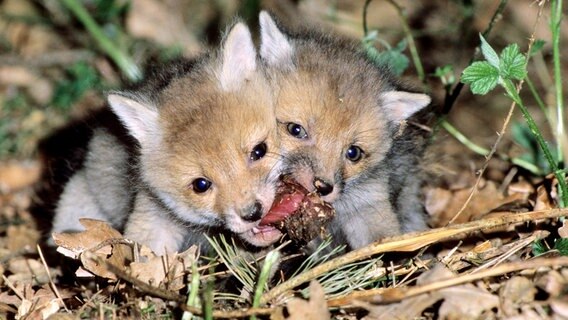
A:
(503, 70)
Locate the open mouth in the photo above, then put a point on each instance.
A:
(300, 214)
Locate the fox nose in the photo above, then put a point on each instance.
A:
(322, 187)
(253, 213)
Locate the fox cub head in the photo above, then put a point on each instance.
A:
(338, 113)
(208, 140)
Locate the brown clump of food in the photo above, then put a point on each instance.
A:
(300, 214)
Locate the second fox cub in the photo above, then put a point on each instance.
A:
(206, 159)
(344, 132)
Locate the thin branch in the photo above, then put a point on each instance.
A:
(453, 96)
(397, 294)
(411, 242)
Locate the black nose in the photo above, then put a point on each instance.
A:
(323, 187)
(253, 213)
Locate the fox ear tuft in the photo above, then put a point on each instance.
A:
(275, 48)
(239, 58)
(400, 105)
(140, 119)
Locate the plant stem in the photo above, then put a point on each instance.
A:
(411, 44)
(483, 151)
(562, 186)
(126, 65)
(555, 20)
(537, 98)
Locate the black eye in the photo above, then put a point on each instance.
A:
(297, 130)
(354, 153)
(258, 151)
(201, 185)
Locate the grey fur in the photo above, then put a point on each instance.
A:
(332, 78)
(173, 131)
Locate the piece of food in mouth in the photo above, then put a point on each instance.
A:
(300, 214)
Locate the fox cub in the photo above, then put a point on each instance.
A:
(201, 155)
(344, 132)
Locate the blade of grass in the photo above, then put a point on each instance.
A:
(126, 65)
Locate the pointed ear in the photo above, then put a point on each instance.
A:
(239, 58)
(275, 48)
(400, 105)
(140, 119)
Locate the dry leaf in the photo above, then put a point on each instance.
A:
(22, 237)
(95, 233)
(314, 309)
(443, 204)
(409, 308)
(166, 272)
(543, 200)
(27, 271)
(466, 302)
(453, 306)
(563, 231)
(516, 292)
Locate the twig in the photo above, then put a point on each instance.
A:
(390, 295)
(51, 284)
(11, 286)
(143, 286)
(411, 242)
(504, 127)
(453, 96)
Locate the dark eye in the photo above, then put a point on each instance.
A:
(201, 185)
(354, 153)
(258, 151)
(297, 130)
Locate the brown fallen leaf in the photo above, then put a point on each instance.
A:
(167, 272)
(452, 307)
(22, 237)
(28, 271)
(517, 292)
(313, 309)
(443, 204)
(96, 232)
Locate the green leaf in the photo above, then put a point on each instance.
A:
(481, 76)
(488, 52)
(512, 63)
(536, 47)
(392, 58)
(562, 246)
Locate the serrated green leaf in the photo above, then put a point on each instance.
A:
(488, 52)
(512, 63)
(481, 76)
(537, 46)
(562, 246)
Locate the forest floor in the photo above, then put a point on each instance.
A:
(498, 245)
